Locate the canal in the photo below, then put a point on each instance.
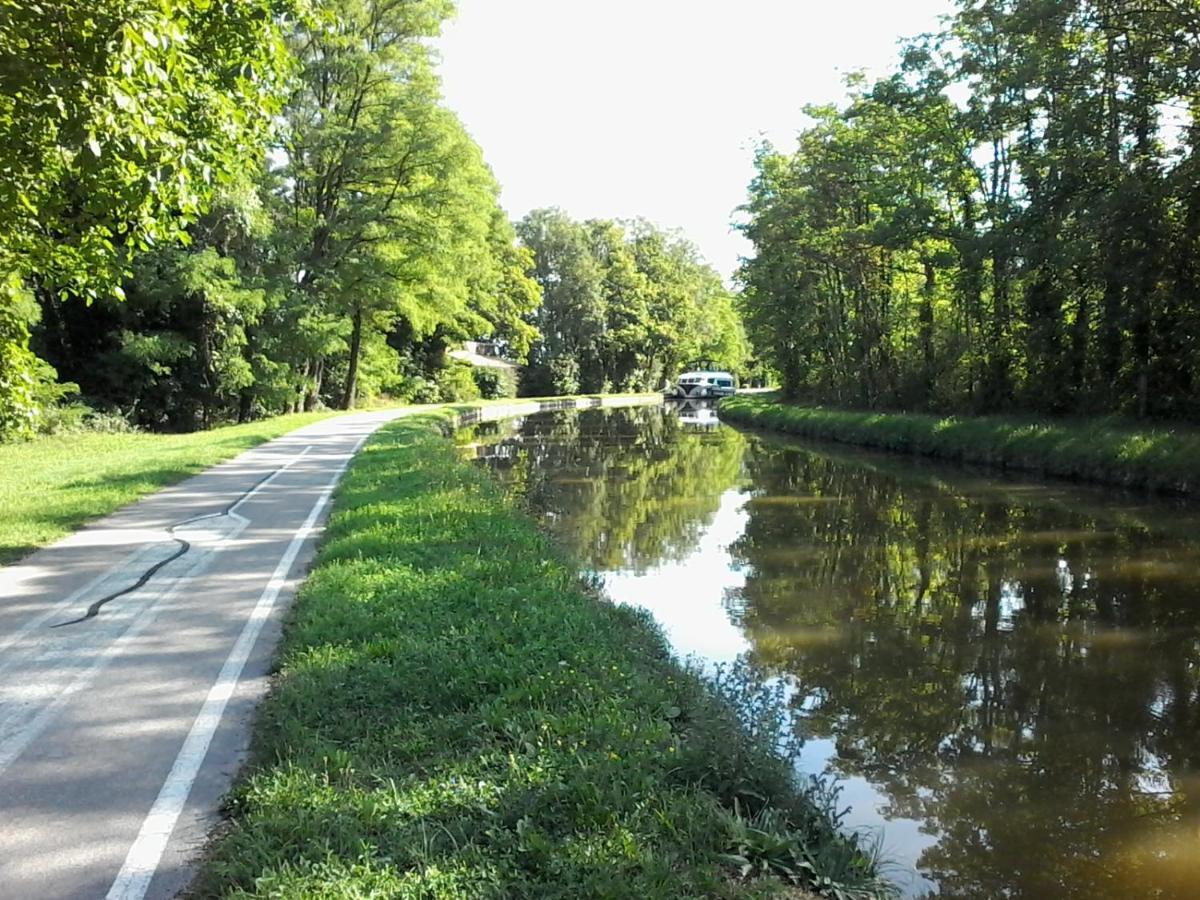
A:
(1003, 674)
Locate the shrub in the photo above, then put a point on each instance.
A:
(495, 384)
(456, 384)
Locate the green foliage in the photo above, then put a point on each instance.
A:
(1103, 450)
(456, 716)
(332, 257)
(1030, 247)
(765, 844)
(624, 306)
(456, 383)
(389, 216)
(116, 121)
(31, 396)
(19, 407)
(495, 384)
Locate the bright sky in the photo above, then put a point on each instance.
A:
(652, 108)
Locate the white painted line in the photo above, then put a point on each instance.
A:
(274, 475)
(143, 858)
(14, 744)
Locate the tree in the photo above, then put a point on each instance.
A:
(624, 306)
(391, 207)
(117, 120)
(1000, 225)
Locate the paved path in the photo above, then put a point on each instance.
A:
(124, 713)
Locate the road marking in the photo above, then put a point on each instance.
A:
(12, 746)
(59, 609)
(144, 856)
(266, 481)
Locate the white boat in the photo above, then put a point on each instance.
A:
(702, 384)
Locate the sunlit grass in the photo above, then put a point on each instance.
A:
(51, 486)
(1105, 450)
(456, 715)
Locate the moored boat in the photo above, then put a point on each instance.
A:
(702, 384)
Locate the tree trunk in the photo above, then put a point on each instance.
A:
(927, 295)
(245, 405)
(313, 397)
(998, 375)
(352, 370)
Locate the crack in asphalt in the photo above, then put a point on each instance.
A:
(184, 546)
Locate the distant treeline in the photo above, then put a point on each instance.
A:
(1011, 221)
(625, 305)
(214, 212)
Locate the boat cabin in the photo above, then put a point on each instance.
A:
(703, 384)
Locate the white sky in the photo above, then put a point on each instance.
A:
(652, 108)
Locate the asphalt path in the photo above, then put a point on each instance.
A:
(132, 655)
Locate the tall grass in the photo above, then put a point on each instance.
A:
(456, 714)
(1102, 450)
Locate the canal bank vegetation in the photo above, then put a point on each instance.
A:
(1103, 450)
(457, 714)
(1010, 223)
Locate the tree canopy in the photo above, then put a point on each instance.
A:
(213, 211)
(1010, 221)
(624, 306)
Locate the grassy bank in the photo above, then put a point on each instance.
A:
(456, 715)
(51, 486)
(1105, 451)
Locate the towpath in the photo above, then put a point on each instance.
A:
(131, 657)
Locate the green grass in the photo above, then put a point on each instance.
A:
(456, 714)
(1102, 450)
(51, 486)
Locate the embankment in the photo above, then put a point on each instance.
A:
(458, 714)
(1102, 450)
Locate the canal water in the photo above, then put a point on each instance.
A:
(1004, 674)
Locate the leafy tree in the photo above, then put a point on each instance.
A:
(1021, 245)
(116, 121)
(390, 204)
(624, 306)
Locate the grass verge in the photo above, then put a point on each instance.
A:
(51, 486)
(1101, 450)
(457, 715)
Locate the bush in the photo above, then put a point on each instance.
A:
(495, 384)
(79, 418)
(456, 384)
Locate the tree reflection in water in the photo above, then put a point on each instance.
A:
(1015, 666)
(627, 488)
(1015, 670)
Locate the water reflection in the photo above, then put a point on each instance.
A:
(1007, 675)
(627, 488)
